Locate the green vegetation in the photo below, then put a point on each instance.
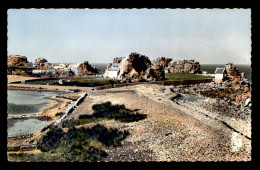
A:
(17, 68)
(79, 82)
(15, 148)
(79, 144)
(92, 82)
(76, 145)
(109, 111)
(184, 76)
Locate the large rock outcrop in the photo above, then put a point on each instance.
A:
(42, 64)
(233, 73)
(162, 62)
(184, 66)
(137, 67)
(17, 60)
(86, 68)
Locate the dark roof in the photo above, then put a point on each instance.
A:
(220, 70)
(114, 67)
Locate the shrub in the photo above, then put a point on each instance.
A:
(79, 144)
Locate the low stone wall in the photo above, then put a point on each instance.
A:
(186, 82)
(70, 109)
(39, 79)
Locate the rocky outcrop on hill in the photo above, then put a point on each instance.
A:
(162, 62)
(137, 67)
(42, 64)
(86, 68)
(17, 60)
(233, 73)
(184, 66)
(118, 60)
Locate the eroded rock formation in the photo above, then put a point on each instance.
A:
(86, 68)
(42, 64)
(184, 66)
(162, 62)
(233, 73)
(137, 67)
(17, 60)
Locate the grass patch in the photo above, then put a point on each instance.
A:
(108, 111)
(78, 82)
(184, 76)
(14, 149)
(92, 82)
(17, 68)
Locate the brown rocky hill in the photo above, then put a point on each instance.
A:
(17, 60)
(86, 68)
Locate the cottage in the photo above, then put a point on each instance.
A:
(220, 74)
(112, 71)
(166, 70)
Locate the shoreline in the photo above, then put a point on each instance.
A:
(48, 112)
(167, 122)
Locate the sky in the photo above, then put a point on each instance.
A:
(210, 36)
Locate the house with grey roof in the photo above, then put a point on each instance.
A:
(220, 74)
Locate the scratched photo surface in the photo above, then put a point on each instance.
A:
(129, 85)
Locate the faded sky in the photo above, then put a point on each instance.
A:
(209, 36)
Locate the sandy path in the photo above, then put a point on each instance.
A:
(11, 78)
(168, 133)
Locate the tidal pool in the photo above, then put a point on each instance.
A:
(19, 127)
(26, 102)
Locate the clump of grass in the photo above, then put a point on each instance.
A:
(59, 114)
(109, 111)
(14, 149)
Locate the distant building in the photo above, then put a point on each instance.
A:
(220, 74)
(166, 70)
(112, 71)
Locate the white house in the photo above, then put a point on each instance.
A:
(112, 71)
(166, 70)
(220, 74)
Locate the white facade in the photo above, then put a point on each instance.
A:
(219, 78)
(220, 74)
(112, 74)
(112, 71)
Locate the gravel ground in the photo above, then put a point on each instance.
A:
(170, 132)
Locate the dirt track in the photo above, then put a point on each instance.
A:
(170, 132)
